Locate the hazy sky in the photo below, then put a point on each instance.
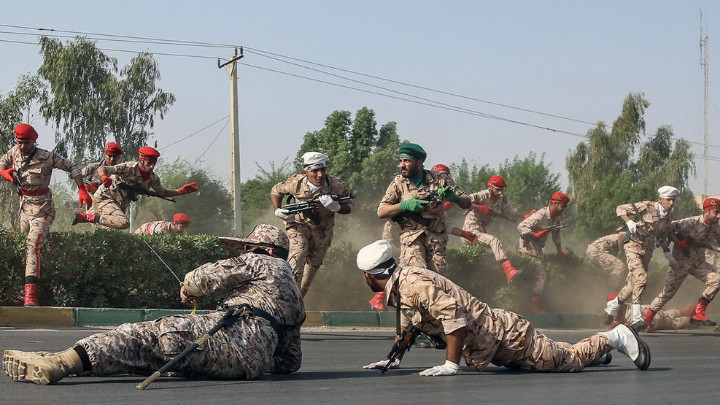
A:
(577, 60)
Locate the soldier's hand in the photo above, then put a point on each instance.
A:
(539, 234)
(184, 296)
(471, 237)
(671, 259)
(447, 205)
(84, 197)
(414, 204)
(328, 202)
(683, 244)
(632, 226)
(106, 180)
(283, 214)
(449, 368)
(447, 194)
(526, 216)
(7, 174)
(92, 187)
(381, 364)
(483, 209)
(188, 188)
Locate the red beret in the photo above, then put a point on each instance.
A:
(25, 131)
(113, 149)
(711, 204)
(496, 181)
(560, 198)
(149, 152)
(440, 168)
(181, 218)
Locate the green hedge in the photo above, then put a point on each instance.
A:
(107, 268)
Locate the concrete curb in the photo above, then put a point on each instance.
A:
(68, 317)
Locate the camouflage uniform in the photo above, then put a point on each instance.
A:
(604, 251)
(90, 174)
(111, 203)
(37, 210)
(154, 228)
(639, 249)
(247, 349)
(669, 319)
(389, 230)
(422, 245)
(436, 305)
(310, 234)
(477, 223)
(533, 247)
(691, 261)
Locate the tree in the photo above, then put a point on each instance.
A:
(87, 103)
(605, 171)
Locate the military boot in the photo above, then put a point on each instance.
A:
(611, 309)
(698, 317)
(31, 299)
(628, 342)
(510, 271)
(83, 217)
(42, 370)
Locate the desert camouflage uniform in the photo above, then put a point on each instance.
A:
(37, 210)
(668, 319)
(477, 223)
(420, 245)
(691, 261)
(112, 203)
(90, 174)
(247, 349)
(309, 240)
(604, 251)
(389, 230)
(436, 305)
(533, 247)
(154, 228)
(639, 250)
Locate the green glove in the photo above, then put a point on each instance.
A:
(446, 194)
(414, 204)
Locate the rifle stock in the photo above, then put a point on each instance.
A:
(312, 205)
(141, 190)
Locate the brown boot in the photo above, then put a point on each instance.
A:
(42, 370)
(698, 317)
(510, 271)
(84, 217)
(31, 299)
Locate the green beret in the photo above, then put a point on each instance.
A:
(412, 151)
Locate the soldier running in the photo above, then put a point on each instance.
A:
(695, 235)
(534, 232)
(267, 340)
(482, 335)
(30, 168)
(604, 252)
(310, 233)
(111, 201)
(649, 225)
(112, 155)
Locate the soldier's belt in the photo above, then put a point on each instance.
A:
(32, 193)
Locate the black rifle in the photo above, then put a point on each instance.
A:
(406, 218)
(309, 208)
(407, 338)
(231, 316)
(16, 183)
(133, 191)
(552, 228)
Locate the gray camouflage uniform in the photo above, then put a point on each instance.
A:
(247, 349)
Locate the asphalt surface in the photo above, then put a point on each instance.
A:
(685, 369)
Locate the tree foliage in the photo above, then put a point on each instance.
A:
(615, 167)
(89, 104)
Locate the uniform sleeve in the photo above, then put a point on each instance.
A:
(475, 198)
(7, 158)
(90, 170)
(392, 195)
(281, 189)
(440, 305)
(67, 165)
(627, 209)
(454, 187)
(288, 360)
(155, 185)
(508, 209)
(218, 276)
(528, 224)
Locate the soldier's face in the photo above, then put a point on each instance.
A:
(667, 204)
(179, 226)
(711, 216)
(372, 283)
(112, 160)
(147, 166)
(496, 191)
(557, 209)
(316, 176)
(26, 146)
(409, 168)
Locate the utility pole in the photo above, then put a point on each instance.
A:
(704, 64)
(231, 66)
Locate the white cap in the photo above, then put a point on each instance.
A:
(314, 160)
(668, 192)
(370, 257)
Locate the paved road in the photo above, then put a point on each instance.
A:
(685, 370)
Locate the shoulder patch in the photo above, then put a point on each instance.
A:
(415, 300)
(238, 261)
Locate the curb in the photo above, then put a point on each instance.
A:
(70, 317)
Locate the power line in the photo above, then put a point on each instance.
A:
(213, 141)
(194, 133)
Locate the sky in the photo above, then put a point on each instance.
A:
(483, 81)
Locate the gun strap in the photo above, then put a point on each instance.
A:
(26, 162)
(396, 292)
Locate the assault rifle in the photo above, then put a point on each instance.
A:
(309, 207)
(16, 183)
(407, 338)
(554, 227)
(406, 218)
(133, 192)
(699, 244)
